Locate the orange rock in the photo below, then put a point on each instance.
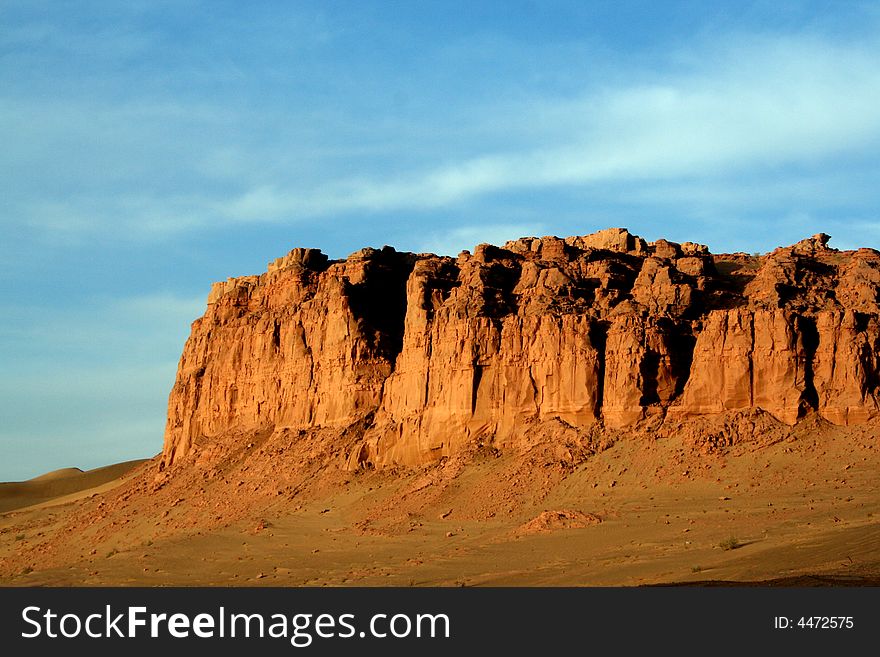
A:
(846, 366)
(743, 359)
(640, 369)
(409, 358)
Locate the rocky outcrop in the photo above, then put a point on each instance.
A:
(424, 354)
(309, 343)
(746, 358)
(846, 367)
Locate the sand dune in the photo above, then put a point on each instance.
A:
(58, 484)
(62, 473)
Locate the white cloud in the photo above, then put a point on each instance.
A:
(750, 106)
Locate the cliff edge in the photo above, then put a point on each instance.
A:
(410, 357)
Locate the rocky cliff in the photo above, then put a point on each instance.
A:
(417, 355)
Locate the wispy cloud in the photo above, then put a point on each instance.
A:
(744, 106)
(748, 106)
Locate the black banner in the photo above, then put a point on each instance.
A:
(688, 620)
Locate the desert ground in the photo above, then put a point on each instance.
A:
(795, 505)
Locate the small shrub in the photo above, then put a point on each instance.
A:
(112, 552)
(729, 544)
(19, 537)
(696, 569)
(27, 570)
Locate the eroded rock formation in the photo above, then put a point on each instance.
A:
(422, 354)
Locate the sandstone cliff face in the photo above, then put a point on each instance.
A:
(424, 354)
(307, 344)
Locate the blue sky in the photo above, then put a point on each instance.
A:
(150, 148)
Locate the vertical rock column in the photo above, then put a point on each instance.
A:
(745, 358)
(845, 369)
(640, 369)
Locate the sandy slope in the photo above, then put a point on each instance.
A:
(643, 511)
(65, 483)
